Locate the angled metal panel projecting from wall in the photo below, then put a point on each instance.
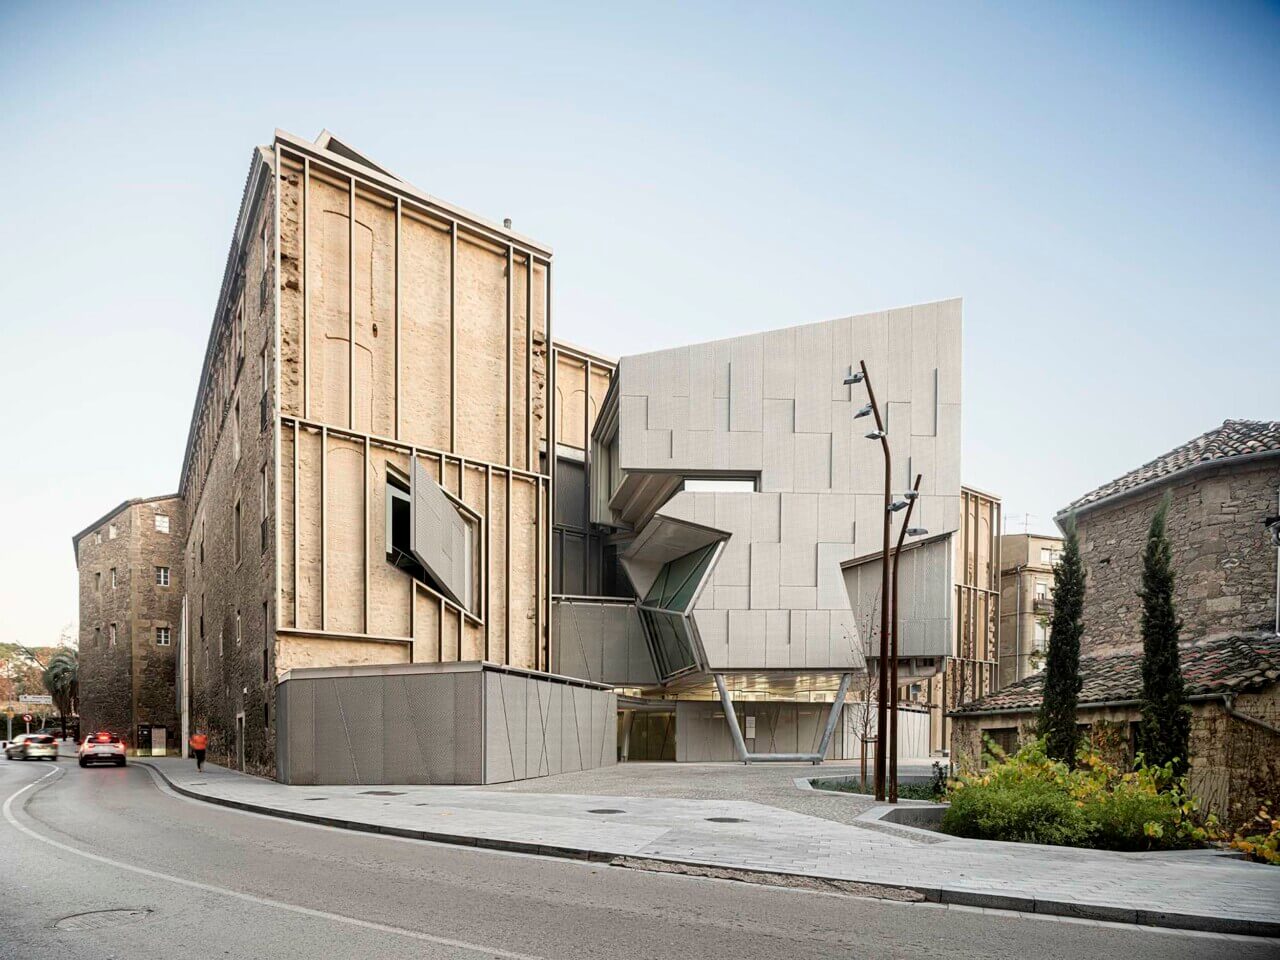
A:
(439, 534)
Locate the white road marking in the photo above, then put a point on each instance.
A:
(247, 897)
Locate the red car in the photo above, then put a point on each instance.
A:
(102, 748)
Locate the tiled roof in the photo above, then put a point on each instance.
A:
(1235, 438)
(1226, 663)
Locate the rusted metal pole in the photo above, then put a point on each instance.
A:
(893, 651)
(882, 694)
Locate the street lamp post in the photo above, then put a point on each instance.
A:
(882, 690)
(907, 530)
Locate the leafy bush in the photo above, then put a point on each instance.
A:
(1264, 846)
(1029, 798)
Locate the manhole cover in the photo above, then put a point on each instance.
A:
(98, 919)
(383, 793)
(606, 810)
(725, 820)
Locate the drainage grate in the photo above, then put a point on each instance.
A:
(98, 919)
(606, 810)
(383, 793)
(726, 820)
(315, 798)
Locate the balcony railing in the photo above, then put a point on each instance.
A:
(1042, 605)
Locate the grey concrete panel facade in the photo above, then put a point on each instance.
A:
(773, 407)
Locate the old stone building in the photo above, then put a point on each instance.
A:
(129, 563)
(1223, 486)
(1233, 687)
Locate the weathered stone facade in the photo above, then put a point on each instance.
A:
(1224, 562)
(229, 487)
(128, 681)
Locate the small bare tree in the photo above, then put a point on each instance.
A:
(866, 686)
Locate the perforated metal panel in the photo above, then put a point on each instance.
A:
(439, 534)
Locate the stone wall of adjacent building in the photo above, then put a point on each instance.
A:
(1235, 764)
(1224, 562)
(155, 606)
(106, 668)
(131, 681)
(231, 591)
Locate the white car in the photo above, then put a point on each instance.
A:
(32, 746)
(102, 748)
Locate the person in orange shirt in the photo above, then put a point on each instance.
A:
(199, 743)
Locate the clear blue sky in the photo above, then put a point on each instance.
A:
(1098, 181)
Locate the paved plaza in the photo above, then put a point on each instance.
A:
(782, 829)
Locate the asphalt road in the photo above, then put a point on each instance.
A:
(205, 882)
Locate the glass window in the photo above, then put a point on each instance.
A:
(111, 634)
(162, 636)
(162, 576)
(1040, 636)
(112, 532)
(1042, 590)
(678, 580)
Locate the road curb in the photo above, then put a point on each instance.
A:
(942, 894)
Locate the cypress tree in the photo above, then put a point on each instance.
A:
(1165, 729)
(1062, 666)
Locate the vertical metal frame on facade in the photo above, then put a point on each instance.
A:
(550, 468)
(365, 499)
(351, 302)
(488, 547)
(506, 577)
(324, 526)
(306, 290)
(453, 336)
(510, 360)
(528, 363)
(276, 429)
(396, 296)
(297, 499)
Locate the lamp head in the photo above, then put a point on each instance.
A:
(911, 495)
(855, 377)
(865, 411)
(916, 531)
(897, 505)
(876, 435)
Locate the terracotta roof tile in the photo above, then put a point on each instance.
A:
(1212, 665)
(1235, 438)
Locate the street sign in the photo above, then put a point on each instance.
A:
(26, 718)
(35, 698)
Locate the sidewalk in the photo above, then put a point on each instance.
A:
(1199, 890)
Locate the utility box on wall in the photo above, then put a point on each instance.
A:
(450, 723)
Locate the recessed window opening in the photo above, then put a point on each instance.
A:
(719, 484)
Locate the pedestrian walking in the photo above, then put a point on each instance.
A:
(199, 743)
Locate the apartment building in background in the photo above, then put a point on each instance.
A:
(1026, 602)
(129, 564)
(416, 522)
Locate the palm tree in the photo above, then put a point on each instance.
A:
(61, 679)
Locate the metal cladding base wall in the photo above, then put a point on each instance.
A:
(474, 725)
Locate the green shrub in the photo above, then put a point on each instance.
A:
(1030, 798)
(1027, 812)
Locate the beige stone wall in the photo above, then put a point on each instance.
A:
(341, 600)
(572, 392)
(1224, 563)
